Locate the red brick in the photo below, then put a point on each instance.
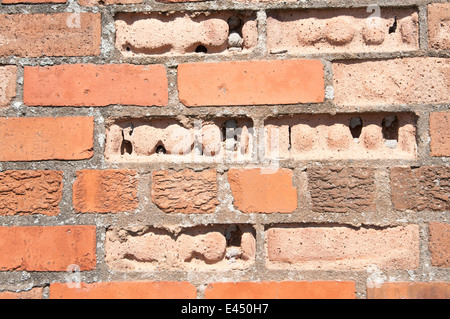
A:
(34, 293)
(439, 26)
(186, 192)
(439, 244)
(440, 134)
(414, 290)
(58, 34)
(263, 191)
(343, 248)
(281, 290)
(30, 192)
(32, 1)
(96, 85)
(125, 290)
(50, 248)
(8, 75)
(251, 82)
(46, 138)
(342, 189)
(392, 82)
(105, 191)
(423, 188)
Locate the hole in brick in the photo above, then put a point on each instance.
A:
(128, 49)
(201, 49)
(160, 149)
(390, 131)
(290, 138)
(235, 38)
(356, 125)
(126, 146)
(234, 236)
(393, 28)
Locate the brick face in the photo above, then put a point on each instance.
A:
(46, 138)
(251, 83)
(58, 34)
(415, 290)
(8, 76)
(438, 26)
(439, 244)
(30, 192)
(440, 133)
(54, 248)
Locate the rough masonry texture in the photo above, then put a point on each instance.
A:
(238, 149)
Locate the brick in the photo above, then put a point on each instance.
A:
(439, 26)
(439, 244)
(96, 85)
(410, 290)
(281, 290)
(34, 293)
(105, 191)
(32, 1)
(251, 82)
(125, 290)
(342, 31)
(263, 191)
(58, 34)
(423, 188)
(185, 192)
(49, 248)
(440, 134)
(94, 3)
(343, 248)
(30, 192)
(218, 247)
(392, 82)
(46, 138)
(341, 136)
(342, 189)
(218, 32)
(8, 74)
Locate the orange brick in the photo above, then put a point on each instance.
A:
(263, 191)
(32, 1)
(125, 290)
(58, 34)
(281, 290)
(440, 134)
(251, 82)
(105, 191)
(39, 138)
(34, 293)
(415, 290)
(439, 244)
(50, 248)
(8, 84)
(96, 85)
(30, 192)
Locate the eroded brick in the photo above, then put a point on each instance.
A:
(30, 192)
(439, 244)
(423, 188)
(342, 189)
(34, 293)
(439, 26)
(185, 192)
(342, 248)
(440, 134)
(8, 74)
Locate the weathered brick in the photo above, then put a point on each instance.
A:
(218, 247)
(439, 244)
(105, 191)
(93, 3)
(410, 290)
(423, 188)
(263, 191)
(32, 1)
(125, 290)
(342, 189)
(440, 134)
(96, 85)
(8, 74)
(46, 138)
(439, 26)
(342, 30)
(392, 82)
(34, 293)
(281, 290)
(251, 82)
(343, 248)
(141, 34)
(57, 34)
(48, 248)
(30, 192)
(186, 192)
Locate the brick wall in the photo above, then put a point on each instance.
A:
(224, 149)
